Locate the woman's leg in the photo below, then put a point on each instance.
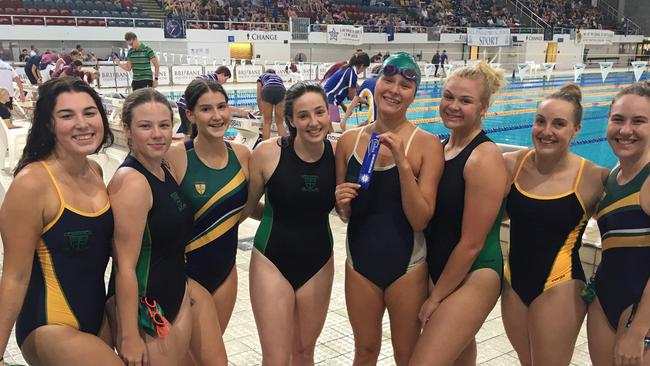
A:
(54, 345)
(600, 335)
(273, 301)
(365, 304)
(555, 318)
(279, 118)
(452, 326)
(224, 298)
(312, 302)
(404, 298)
(514, 314)
(267, 118)
(206, 342)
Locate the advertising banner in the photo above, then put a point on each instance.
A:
(488, 37)
(344, 34)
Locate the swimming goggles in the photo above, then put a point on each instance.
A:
(407, 73)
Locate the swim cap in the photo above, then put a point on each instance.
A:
(403, 61)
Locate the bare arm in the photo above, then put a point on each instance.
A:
(156, 70)
(20, 226)
(126, 66)
(345, 191)
(21, 91)
(131, 199)
(485, 179)
(348, 111)
(261, 165)
(259, 95)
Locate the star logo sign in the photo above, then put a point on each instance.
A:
(334, 35)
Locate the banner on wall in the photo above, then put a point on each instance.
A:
(605, 68)
(109, 74)
(248, 73)
(548, 67)
(183, 75)
(322, 69)
(578, 69)
(308, 71)
(595, 36)
(523, 67)
(638, 67)
(488, 37)
(282, 70)
(344, 34)
(163, 76)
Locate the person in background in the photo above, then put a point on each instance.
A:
(343, 83)
(270, 101)
(139, 59)
(7, 78)
(31, 70)
(365, 95)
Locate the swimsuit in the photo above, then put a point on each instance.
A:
(545, 236)
(381, 243)
(444, 230)
(625, 231)
(161, 265)
(216, 198)
(66, 286)
(294, 233)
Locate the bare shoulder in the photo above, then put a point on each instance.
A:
(512, 159)
(595, 173)
(242, 151)
(33, 181)
(266, 149)
(486, 158)
(128, 181)
(98, 168)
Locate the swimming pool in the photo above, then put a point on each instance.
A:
(509, 119)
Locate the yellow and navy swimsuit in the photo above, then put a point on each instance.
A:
(67, 280)
(216, 197)
(545, 236)
(625, 231)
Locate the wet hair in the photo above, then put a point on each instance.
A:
(41, 139)
(570, 93)
(269, 71)
(641, 89)
(130, 36)
(358, 59)
(224, 70)
(296, 91)
(139, 97)
(492, 79)
(195, 90)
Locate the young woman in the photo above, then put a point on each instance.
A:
(57, 226)
(270, 101)
(618, 324)
(386, 250)
(213, 175)
(343, 83)
(160, 313)
(291, 268)
(463, 249)
(553, 193)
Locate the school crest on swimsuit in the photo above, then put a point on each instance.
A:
(311, 183)
(200, 187)
(78, 240)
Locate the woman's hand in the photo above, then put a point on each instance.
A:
(133, 351)
(345, 193)
(629, 349)
(427, 309)
(396, 146)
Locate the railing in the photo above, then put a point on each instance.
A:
(228, 25)
(633, 28)
(76, 21)
(524, 10)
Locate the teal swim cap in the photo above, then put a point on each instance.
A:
(403, 60)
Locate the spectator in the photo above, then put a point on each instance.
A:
(24, 56)
(139, 60)
(7, 77)
(436, 62)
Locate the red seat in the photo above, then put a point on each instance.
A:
(53, 12)
(69, 21)
(18, 20)
(64, 12)
(5, 20)
(92, 22)
(32, 11)
(82, 22)
(20, 10)
(26, 20)
(101, 22)
(42, 11)
(38, 21)
(10, 10)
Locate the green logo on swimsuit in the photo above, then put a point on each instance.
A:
(77, 240)
(311, 183)
(179, 202)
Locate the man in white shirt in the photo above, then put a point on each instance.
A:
(7, 77)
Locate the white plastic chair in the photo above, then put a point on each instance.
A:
(14, 141)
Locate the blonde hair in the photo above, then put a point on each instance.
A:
(492, 79)
(4, 90)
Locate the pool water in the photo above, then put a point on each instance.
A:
(509, 119)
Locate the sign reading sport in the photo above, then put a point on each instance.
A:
(488, 37)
